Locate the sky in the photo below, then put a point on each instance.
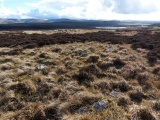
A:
(81, 9)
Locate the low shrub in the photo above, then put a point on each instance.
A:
(103, 86)
(93, 59)
(25, 88)
(118, 63)
(152, 60)
(136, 96)
(142, 78)
(156, 106)
(103, 65)
(156, 71)
(143, 114)
(52, 113)
(122, 101)
(86, 74)
(124, 86)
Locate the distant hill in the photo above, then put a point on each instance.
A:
(25, 24)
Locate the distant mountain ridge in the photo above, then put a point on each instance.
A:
(13, 21)
(18, 21)
(25, 24)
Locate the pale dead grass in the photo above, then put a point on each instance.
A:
(128, 33)
(155, 31)
(70, 31)
(80, 31)
(59, 85)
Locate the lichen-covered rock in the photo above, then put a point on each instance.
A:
(115, 94)
(83, 110)
(100, 105)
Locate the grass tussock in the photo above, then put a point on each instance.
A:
(142, 78)
(87, 74)
(118, 63)
(143, 114)
(156, 71)
(122, 86)
(156, 106)
(136, 96)
(104, 65)
(25, 88)
(124, 102)
(103, 86)
(93, 59)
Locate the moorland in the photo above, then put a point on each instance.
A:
(80, 74)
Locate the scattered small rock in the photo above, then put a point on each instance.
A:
(81, 52)
(41, 67)
(100, 105)
(115, 94)
(83, 110)
(44, 69)
(110, 50)
(122, 52)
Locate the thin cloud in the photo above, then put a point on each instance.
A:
(135, 6)
(89, 9)
(36, 13)
(100, 9)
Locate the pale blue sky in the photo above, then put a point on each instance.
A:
(13, 4)
(81, 9)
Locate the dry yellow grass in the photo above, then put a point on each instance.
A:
(57, 81)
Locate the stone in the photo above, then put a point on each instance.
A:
(41, 67)
(100, 105)
(83, 110)
(82, 52)
(115, 94)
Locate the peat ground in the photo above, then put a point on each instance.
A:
(143, 39)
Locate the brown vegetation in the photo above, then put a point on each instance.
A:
(100, 76)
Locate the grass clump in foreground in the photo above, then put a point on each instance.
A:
(143, 114)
